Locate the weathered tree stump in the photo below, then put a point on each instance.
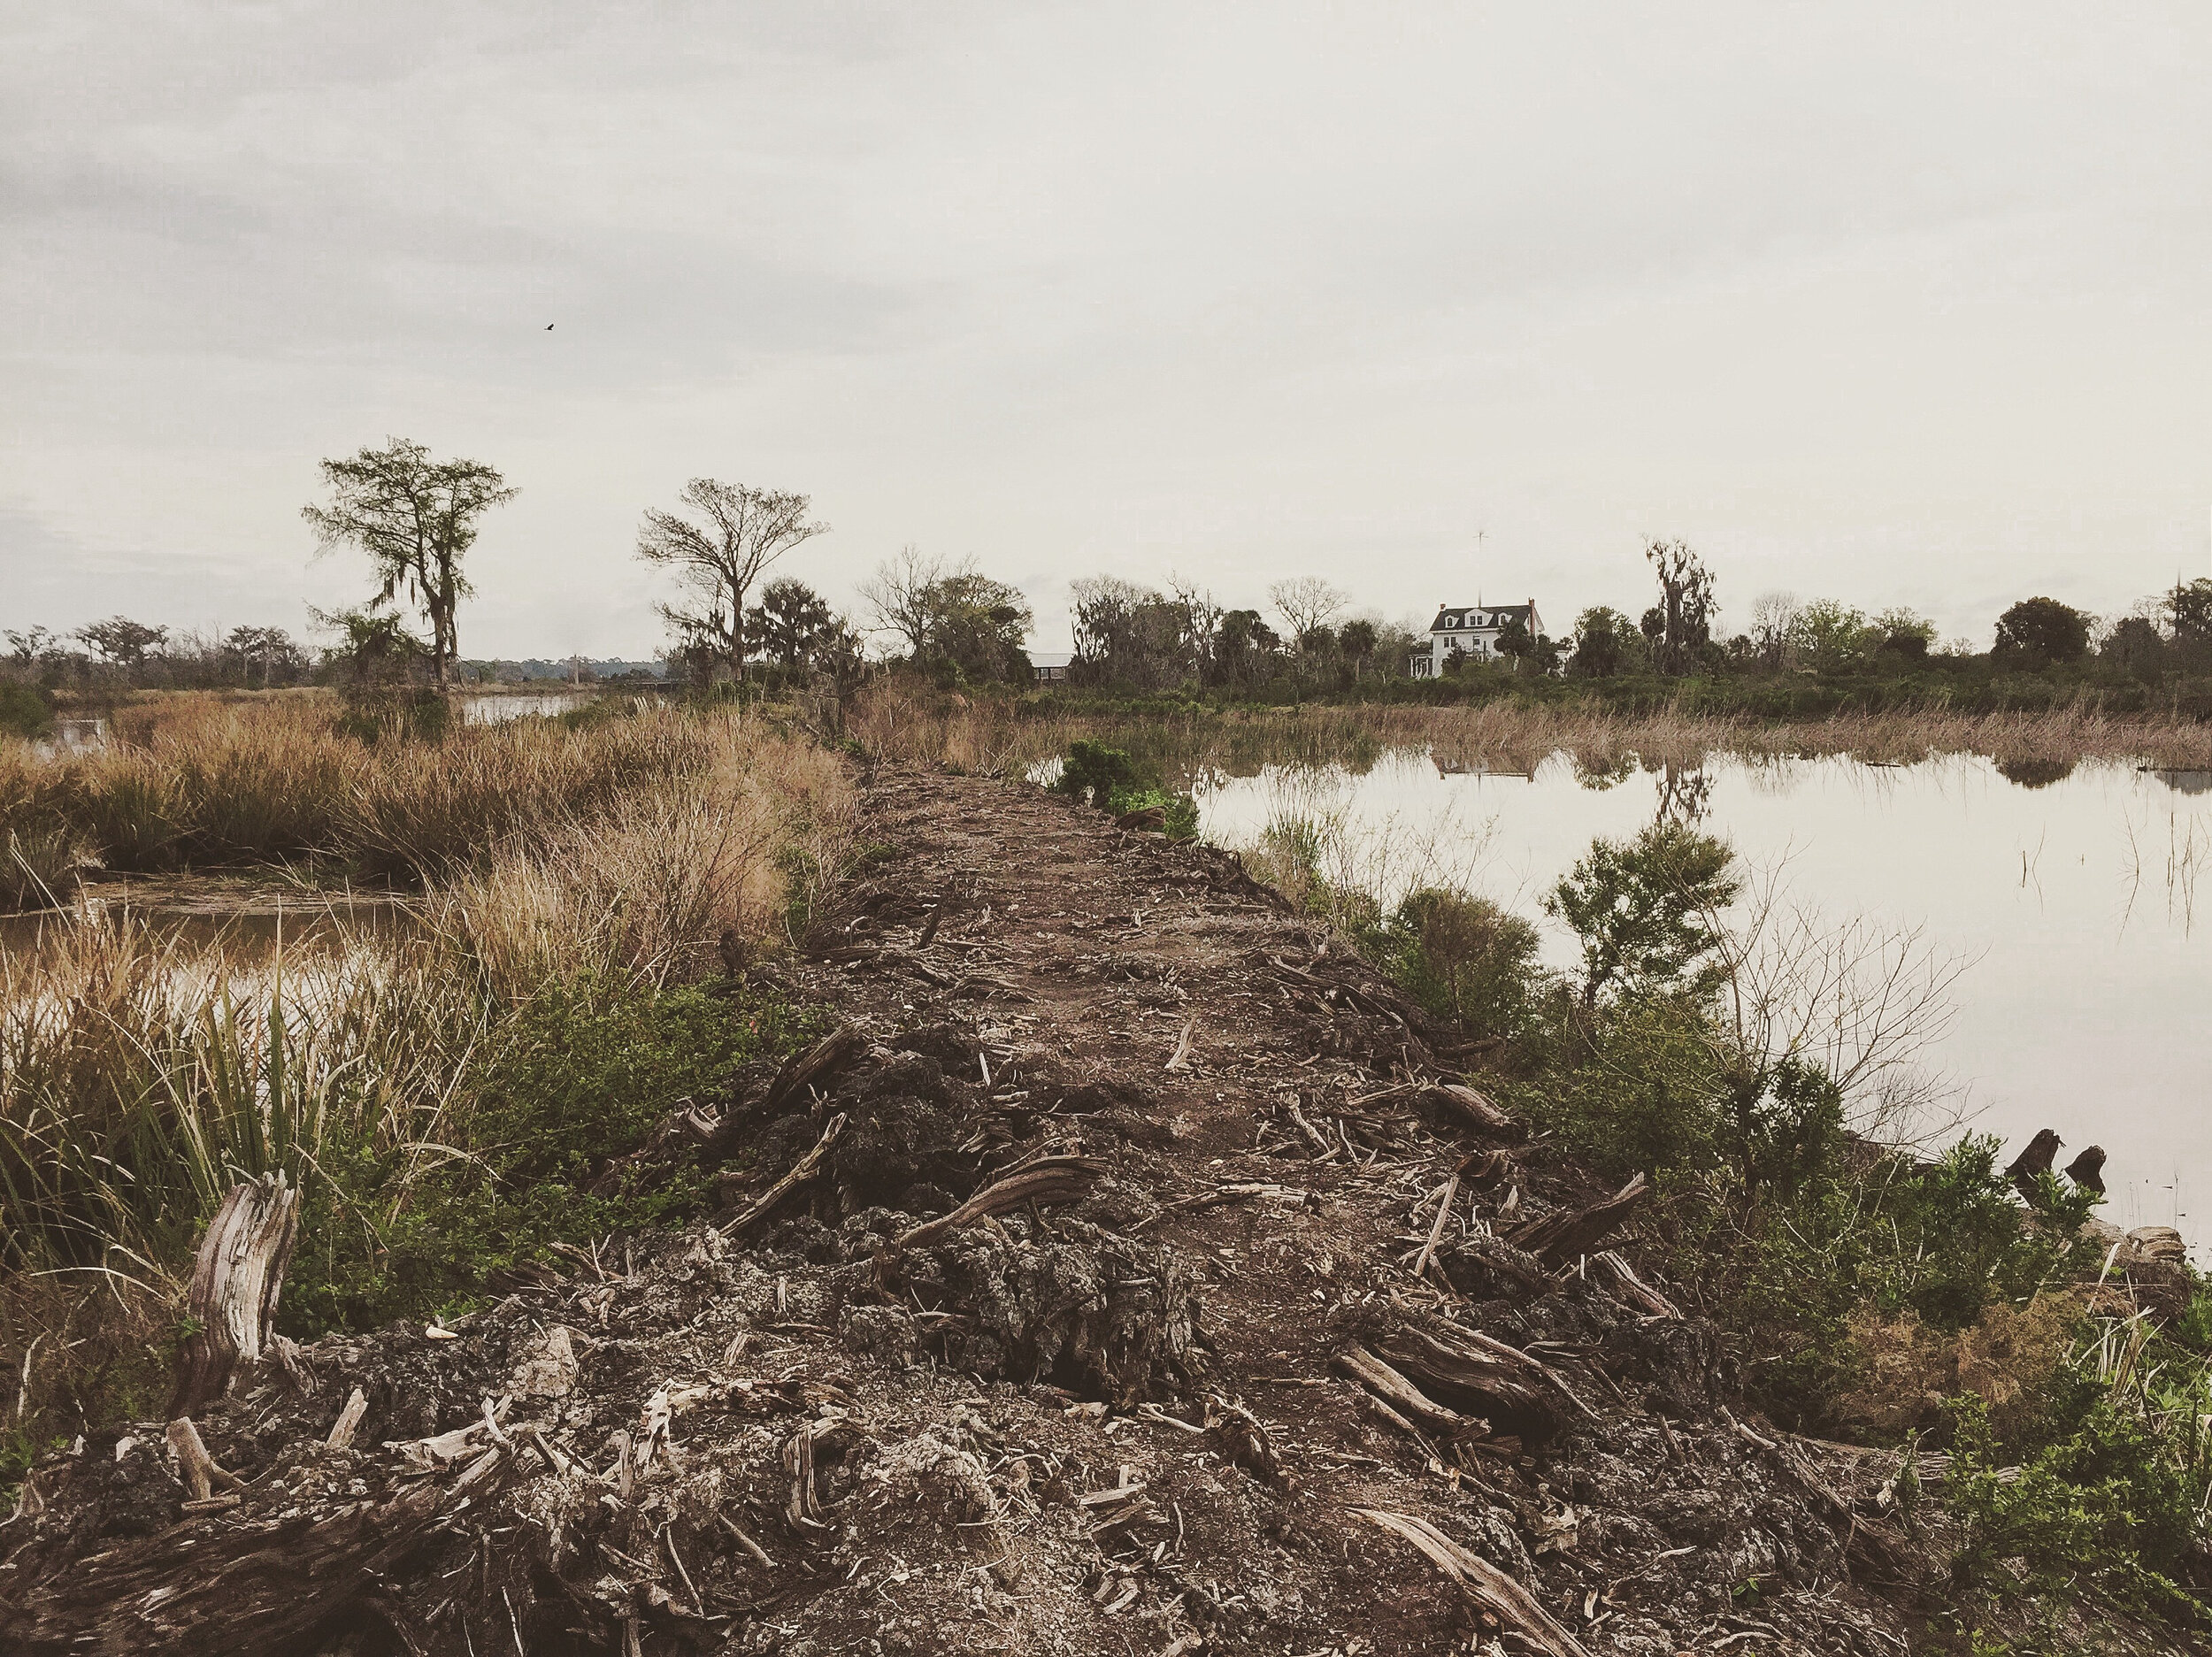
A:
(236, 1280)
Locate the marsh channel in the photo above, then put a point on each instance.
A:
(2070, 896)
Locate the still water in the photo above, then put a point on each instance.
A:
(2074, 897)
(498, 709)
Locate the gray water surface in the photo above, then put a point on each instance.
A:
(2075, 894)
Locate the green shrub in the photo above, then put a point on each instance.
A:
(1646, 910)
(1463, 959)
(1111, 780)
(2101, 1509)
(1091, 772)
(25, 711)
(417, 714)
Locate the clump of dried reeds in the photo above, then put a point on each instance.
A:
(668, 880)
(142, 1071)
(215, 783)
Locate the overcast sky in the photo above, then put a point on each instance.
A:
(1892, 303)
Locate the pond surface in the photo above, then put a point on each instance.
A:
(2074, 893)
(242, 924)
(499, 709)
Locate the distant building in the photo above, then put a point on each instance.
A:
(1471, 629)
(1049, 667)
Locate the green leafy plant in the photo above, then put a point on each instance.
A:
(1463, 959)
(576, 1079)
(1091, 772)
(1113, 781)
(2098, 1508)
(23, 711)
(1647, 911)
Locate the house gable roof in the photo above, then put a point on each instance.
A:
(1477, 617)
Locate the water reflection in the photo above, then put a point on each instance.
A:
(2035, 773)
(73, 736)
(2074, 888)
(1686, 794)
(207, 916)
(498, 709)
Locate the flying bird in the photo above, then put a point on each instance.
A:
(2087, 1169)
(549, 328)
(2033, 1160)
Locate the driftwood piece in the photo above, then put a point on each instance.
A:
(1436, 1231)
(1487, 1268)
(1557, 1238)
(802, 1170)
(1243, 1192)
(1469, 1379)
(1472, 1370)
(1042, 1180)
(341, 1431)
(257, 1589)
(1402, 1397)
(1618, 1278)
(802, 1507)
(1179, 1060)
(2025, 1168)
(1474, 1110)
(816, 1067)
(236, 1280)
(199, 1466)
(1484, 1585)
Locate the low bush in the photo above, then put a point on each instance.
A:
(1463, 959)
(1109, 778)
(2102, 1512)
(25, 710)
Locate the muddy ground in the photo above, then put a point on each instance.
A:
(1251, 1339)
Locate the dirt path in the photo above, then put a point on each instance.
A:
(1188, 1394)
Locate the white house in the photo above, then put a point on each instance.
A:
(1471, 629)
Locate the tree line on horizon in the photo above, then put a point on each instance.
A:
(416, 517)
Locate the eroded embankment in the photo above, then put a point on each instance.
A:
(1143, 1292)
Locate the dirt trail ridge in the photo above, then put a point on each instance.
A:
(1145, 1294)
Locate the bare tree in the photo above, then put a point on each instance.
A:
(1774, 625)
(1863, 999)
(902, 596)
(1306, 603)
(416, 518)
(719, 553)
(1199, 614)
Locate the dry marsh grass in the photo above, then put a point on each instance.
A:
(201, 781)
(141, 1070)
(668, 880)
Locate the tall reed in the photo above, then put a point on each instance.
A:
(141, 1072)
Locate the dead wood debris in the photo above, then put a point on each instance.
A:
(951, 1381)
